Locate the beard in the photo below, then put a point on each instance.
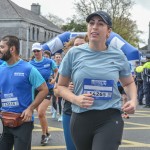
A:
(6, 56)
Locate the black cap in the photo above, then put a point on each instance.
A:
(106, 18)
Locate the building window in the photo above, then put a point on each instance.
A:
(49, 35)
(33, 34)
(29, 34)
(37, 34)
(45, 36)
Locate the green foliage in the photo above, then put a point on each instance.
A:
(119, 11)
(74, 26)
(127, 29)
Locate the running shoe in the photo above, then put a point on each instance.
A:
(60, 119)
(48, 136)
(45, 139)
(54, 115)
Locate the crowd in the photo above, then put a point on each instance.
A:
(142, 79)
(81, 88)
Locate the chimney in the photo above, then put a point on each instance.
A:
(36, 8)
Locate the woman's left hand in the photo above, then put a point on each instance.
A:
(129, 107)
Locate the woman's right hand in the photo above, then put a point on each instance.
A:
(84, 100)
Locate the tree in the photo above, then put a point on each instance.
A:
(119, 11)
(55, 20)
(75, 25)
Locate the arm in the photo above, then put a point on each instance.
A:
(27, 113)
(37, 82)
(43, 91)
(56, 90)
(70, 87)
(131, 91)
(84, 100)
(55, 76)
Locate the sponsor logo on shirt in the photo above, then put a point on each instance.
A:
(9, 95)
(46, 65)
(99, 82)
(19, 74)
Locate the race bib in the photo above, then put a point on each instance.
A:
(9, 101)
(100, 89)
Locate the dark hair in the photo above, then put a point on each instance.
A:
(57, 54)
(47, 52)
(12, 41)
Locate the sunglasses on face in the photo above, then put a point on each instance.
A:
(36, 51)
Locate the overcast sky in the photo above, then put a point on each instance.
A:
(64, 9)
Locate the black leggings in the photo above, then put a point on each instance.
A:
(54, 103)
(97, 129)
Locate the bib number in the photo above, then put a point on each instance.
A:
(100, 89)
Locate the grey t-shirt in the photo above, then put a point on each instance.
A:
(82, 63)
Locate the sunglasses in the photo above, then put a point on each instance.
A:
(36, 51)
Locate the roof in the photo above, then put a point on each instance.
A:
(11, 11)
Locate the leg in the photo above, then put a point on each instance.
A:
(111, 133)
(42, 115)
(147, 94)
(66, 126)
(43, 121)
(54, 105)
(7, 140)
(60, 105)
(81, 131)
(60, 108)
(94, 126)
(54, 102)
(140, 93)
(23, 141)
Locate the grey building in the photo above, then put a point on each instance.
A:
(29, 25)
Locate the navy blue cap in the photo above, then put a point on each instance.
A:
(106, 18)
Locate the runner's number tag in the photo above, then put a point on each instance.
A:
(100, 89)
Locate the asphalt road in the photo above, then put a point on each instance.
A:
(136, 134)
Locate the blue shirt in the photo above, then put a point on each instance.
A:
(45, 67)
(1, 61)
(16, 85)
(82, 63)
